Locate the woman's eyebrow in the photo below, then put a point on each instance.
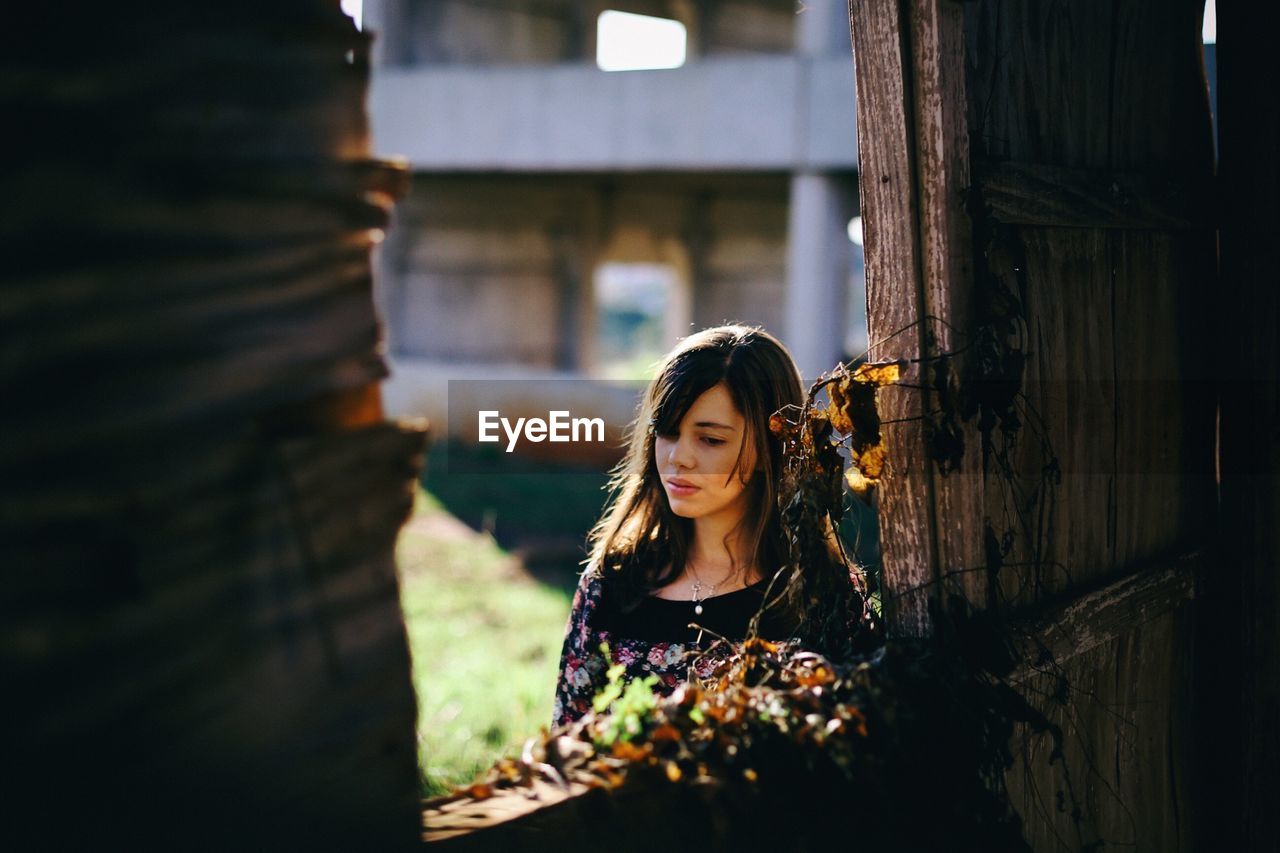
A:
(715, 425)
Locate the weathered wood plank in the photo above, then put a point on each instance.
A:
(445, 819)
(1164, 488)
(1039, 81)
(707, 815)
(1121, 778)
(1101, 615)
(946, 258)
(1100, 383)
(1057, 531)
(1159, 102)
(895, 303)
(1037, 194)
(1077, 113)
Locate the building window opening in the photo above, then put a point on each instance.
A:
(354, 9)
(632, 302)
(630, 42)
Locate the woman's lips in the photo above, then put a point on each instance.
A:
(681, 488)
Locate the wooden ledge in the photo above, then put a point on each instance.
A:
(1062, 631)
(1036, 194)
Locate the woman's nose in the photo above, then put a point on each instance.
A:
(680, 454)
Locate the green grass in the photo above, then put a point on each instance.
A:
(485, 640)
(485, 628)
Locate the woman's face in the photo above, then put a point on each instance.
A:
(697, 464)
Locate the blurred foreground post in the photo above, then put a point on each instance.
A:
(200, 631)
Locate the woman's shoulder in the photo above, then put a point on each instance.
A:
(592, 575)
(590, 589)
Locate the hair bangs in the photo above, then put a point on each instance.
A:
(678, 387)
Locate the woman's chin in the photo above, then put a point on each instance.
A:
(682, 507)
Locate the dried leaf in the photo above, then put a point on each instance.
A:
(871, 462)
(818, 675)
(665, 732)
(878, 373)
(858, 484)
(759, 646)
(838, 410)
(628, 751)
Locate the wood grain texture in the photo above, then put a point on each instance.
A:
(1112, 467)
(1033, 194)
(946, 258)
(710, 815)
(1039, 81)
(1098, 616)
(1093, 203)
(895, 304)
(1106, 311)
(1122, 778)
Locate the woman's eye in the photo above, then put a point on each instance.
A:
(713, 441)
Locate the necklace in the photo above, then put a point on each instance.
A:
(699, 586)
(698, 598)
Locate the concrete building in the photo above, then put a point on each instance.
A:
(570, 221)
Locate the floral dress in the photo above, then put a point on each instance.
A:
(583, 666)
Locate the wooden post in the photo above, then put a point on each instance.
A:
(914, 171)
(1037, 211)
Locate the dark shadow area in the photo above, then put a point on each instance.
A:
(539, 514)
(860, 532)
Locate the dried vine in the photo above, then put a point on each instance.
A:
(901, 746)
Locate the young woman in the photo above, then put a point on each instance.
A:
(693, 533)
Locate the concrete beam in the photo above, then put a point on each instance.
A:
(768, 113)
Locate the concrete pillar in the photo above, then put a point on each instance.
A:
(822, 28)
(388, 21)
(817, 228)
(855, 334)
(817, 272)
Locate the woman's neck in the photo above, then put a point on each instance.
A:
(718, 551)
(716, 562)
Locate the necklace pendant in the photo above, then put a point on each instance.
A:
(697, 608)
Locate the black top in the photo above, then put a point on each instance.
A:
(663, 620)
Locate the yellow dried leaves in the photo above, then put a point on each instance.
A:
(852, 412)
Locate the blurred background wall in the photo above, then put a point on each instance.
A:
(571, 221)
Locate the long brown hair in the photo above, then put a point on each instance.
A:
(639, 544)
